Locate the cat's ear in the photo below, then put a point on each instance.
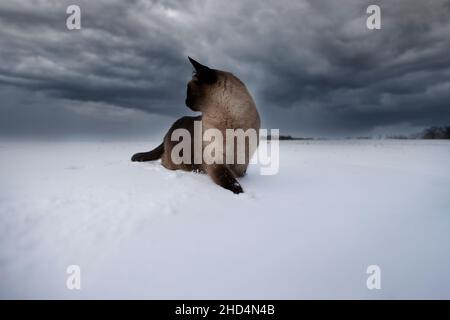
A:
(204, 73)
(197, 65)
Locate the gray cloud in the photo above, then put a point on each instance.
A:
(313, 66)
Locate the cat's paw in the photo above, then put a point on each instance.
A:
(235, 188)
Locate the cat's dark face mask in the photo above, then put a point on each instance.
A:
(200, 85)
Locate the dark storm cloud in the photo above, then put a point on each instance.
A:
(313, 66)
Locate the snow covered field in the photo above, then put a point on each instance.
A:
(138, 230)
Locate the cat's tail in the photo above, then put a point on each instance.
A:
(155, 154)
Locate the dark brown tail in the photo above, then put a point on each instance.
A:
(155, 154)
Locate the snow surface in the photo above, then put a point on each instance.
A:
(138, 230)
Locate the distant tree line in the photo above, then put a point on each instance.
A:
(287, 137)
(436, 133)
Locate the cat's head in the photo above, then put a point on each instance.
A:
(210, 87)
(200, 86)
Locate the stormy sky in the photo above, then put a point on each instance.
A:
(313, 67)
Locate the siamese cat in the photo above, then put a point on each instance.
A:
(224, 103)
